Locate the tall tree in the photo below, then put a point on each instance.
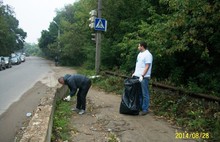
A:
(183, 37)
(11, 37)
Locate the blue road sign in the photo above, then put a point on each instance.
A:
(100, 24)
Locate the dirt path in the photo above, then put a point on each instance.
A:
(102, 121)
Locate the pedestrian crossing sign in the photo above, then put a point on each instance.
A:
(100, 24)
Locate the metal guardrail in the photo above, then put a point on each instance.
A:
(172, 88)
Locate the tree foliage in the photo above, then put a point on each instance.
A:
(11, 36)
(32, 49)
(183, 36)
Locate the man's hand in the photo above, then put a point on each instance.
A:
(141, 78)
(67, 98)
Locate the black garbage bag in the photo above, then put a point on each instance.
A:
(130, 103)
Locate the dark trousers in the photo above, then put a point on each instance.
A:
(81, 95)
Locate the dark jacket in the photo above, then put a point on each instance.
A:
(75, 82)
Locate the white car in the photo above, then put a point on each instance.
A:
(15, 60)
(22, 58)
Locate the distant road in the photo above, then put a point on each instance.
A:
(18, 79)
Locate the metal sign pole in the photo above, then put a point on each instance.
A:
(98, 41)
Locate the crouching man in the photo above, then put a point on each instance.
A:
(77, 82)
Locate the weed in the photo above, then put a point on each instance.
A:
(110, 84)
(61, 130)
(107, 83)
(113, 138)
(195, 115)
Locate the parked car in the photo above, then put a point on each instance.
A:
(15, 60)
(22, 58)
(7, 62)
(2, 63)
(19, 59)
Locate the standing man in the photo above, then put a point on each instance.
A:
(143, 72)
(77, 82)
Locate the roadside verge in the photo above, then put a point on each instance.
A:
(40, 126)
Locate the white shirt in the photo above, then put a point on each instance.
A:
(143, 58)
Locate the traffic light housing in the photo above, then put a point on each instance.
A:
(93, 15)
(93, 37)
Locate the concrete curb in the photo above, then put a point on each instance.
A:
(40, 126)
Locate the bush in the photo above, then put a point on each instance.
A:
(194, 115)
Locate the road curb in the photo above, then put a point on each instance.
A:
(40, 126)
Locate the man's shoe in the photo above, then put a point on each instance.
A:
(81, 112)
(75, 109)
(143, 112)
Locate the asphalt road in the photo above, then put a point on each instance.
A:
(20, 93)
(14, 82)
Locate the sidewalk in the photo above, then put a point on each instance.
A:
(103, 120)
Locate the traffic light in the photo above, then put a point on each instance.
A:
(93, 15)
(93, 37)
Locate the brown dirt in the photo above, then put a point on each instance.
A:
(28, 103)
(103, 121)
(14, 118)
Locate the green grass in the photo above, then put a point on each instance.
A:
(112, 138)
(106, 83)
(61, 120)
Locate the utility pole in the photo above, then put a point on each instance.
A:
(59, 38)
(98, 41)
(98, 24)
(58, 34)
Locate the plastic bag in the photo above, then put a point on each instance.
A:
(130, 103)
